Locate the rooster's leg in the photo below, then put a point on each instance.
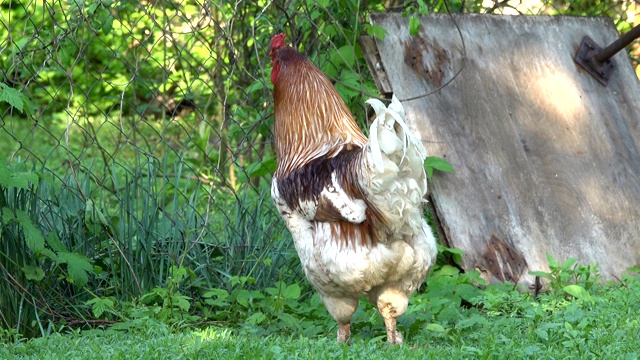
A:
(392, 303)
(344, 332)
(393, 336)
(341, 309)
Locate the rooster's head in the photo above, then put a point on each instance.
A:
(280, 55)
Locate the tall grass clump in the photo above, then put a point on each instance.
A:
(67, 242)
(41, 274)
(17, 298)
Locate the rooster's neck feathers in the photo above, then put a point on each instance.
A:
(311, 119)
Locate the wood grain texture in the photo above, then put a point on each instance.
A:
(546, 158)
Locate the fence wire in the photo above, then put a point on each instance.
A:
(149, 122)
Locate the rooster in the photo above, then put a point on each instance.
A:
(353, 205)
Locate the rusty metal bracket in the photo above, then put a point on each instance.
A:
(586, 58)
(597, 61)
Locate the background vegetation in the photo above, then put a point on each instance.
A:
(136, 153)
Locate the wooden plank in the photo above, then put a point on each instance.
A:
(370, 51)
(546, 158)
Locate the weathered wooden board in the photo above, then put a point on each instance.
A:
(546, 158)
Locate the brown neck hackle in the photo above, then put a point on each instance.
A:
(311, 119)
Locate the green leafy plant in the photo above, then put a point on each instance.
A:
(170, 303)
(570, 277)
(441, 307)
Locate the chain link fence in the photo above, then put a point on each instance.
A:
(142, 132)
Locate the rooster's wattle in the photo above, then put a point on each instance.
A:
(353, 205)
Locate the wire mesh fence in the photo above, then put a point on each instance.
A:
(138, 134)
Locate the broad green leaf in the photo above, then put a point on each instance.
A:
(78, 267)
(235, 280)
(578, 292)
(165, 313)
(289, 320)
(217, 297)
(93, 215)
(17, 178)
(292, 292)
(243, 297)
(48, 253)
(7, 215)
(20, 44)
(450, 250)
(542, 334)
(456, 253)
(448, 270)
(67, 53)
(218, 293)
(92, 7)
(99, 305)
(346, 54)
(347, 85)
(423, 8)
(181, 301)
(315, 14)
(12, 96)
(569, 263)
(22, 179)
(32, 236)
(178, 273)
(273, 291)
(256, 318)
(257, 294)
(107, 24)
(98, 309)
(634, 269)
(469, 322)
(54, 242)
(33, 273)
(217, 303)
(432, 163)
(414, 26)
(153, 296)
(338, 58)
(435, 328)
(332, 30)
(5, 176)
(551, 260)
(376, 31)
(255, 86)
(467, 291)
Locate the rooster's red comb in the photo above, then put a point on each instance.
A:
(277, 41)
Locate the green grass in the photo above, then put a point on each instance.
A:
(502, 323)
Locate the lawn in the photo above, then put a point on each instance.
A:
(499, 323)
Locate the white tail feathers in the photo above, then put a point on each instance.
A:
(389, 133)
(395, 178)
